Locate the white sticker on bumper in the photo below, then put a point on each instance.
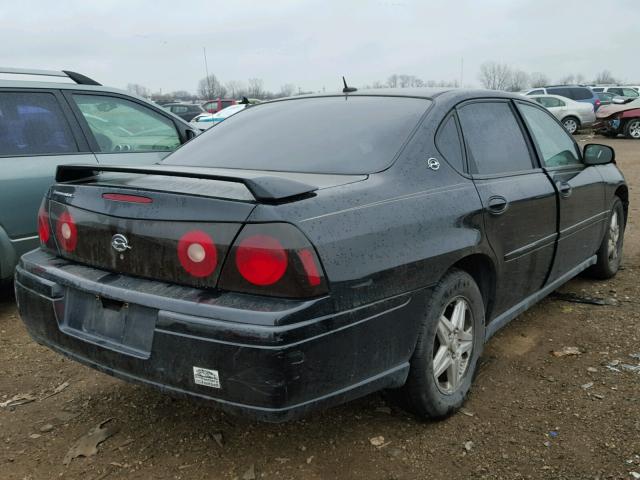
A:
(206, 377)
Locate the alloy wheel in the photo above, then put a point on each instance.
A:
(453, 345)
(634, 129)
(571, 125)
(613, 246)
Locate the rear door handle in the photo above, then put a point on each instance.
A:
(498, 205)
(565, 189)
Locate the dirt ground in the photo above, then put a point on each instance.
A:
(530, 414)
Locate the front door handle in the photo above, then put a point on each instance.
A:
(565, 189)
(498, 205)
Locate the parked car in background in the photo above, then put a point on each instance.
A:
(573, 115)
(605, 98)
(213, 106)
(626, 92)
(208, 120)
(579, 93)
(44, 124)
(619, 119)
(186, 111)
(313, 250)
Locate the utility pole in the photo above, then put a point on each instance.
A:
(206, 70)
(461, 71)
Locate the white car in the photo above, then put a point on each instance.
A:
(621, 91)
(573, 115)
(208, 120)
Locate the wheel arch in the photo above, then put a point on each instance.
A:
(622, 192)
(483, 271)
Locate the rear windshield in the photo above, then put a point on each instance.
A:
(343, 135)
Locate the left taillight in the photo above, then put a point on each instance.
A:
(273, 259)
(44, 229)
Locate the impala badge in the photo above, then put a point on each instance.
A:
(433, 163)
(120, 243)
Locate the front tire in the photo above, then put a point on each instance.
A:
(632, 129)
(610, 251)
(571, 124)
(449, 345)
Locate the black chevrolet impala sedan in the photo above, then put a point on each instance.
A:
(311, 250)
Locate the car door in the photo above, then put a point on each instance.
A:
(123, 131)
(580, 189)
(554, 105)
(37, 133)
(519, 201)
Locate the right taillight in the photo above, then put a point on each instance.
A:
(273, 259)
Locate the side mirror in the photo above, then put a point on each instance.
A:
(596, 154)
(618, 100)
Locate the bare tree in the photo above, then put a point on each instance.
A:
(605, 77)
(519, 81)
(568, 80)
(537, 79)
(256, 89)
(495, 76)
(209, 87)
(234, 88)
(392, 81)
(580, 78)
(378, 84)
(287, 90)
(138, 89)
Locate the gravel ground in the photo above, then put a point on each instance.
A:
(530, 414)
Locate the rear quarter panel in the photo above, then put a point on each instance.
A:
(398, 231)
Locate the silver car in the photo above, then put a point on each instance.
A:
(573, 115)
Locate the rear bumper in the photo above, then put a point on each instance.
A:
(275, 359)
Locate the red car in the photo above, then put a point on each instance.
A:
(616, 119)
(214, 106)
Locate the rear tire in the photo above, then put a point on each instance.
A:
(445, 359)
(632, 129)
(571, 124)
(610, 251)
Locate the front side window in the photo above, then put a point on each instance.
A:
(494, 140)
(629, 92)
(32, 123)
(555, 144)
(120, 125)
(536, 92)
(598, 89)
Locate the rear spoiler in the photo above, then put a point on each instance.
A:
(265, 188)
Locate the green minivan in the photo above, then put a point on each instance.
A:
(67, 119)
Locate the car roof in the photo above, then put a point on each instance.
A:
(455, 94)
(559, 97)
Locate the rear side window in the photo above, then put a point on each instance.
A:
(554, 142)
(536, 92)
(120, 125)
(598, 89)
(226, 103)
(449, 144)
(33, 124)
(563, 92)
(629, 92)
(494, 140)
(343, 135)
(581, 94)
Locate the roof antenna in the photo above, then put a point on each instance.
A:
(347, 89)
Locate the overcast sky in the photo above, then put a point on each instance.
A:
(312, 43)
